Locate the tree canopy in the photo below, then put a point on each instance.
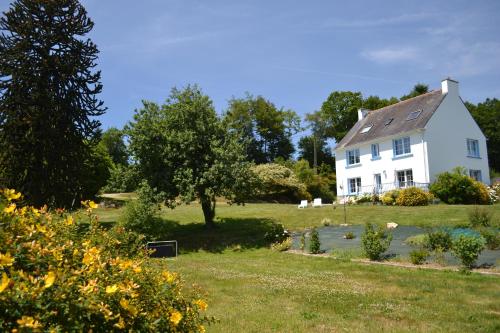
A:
(184, 150)
(112, 141)
(417, 90)
(264, 130)
(48, 100)
(487, 116)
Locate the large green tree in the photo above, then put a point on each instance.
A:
(48, 98)
(113, 141)
(184, 150)
(417, 90)
(323, 152)
(265, 130)
(487, 116)
(339, 113)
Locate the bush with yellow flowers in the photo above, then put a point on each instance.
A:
(54, 277)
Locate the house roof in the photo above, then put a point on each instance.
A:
(383, 126)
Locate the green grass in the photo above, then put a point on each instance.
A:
(265, 291)
(253, 289)
(296, 219)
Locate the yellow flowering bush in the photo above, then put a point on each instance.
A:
(54, 277)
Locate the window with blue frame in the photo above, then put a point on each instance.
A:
(353, 157)
(476, 175)
(401, 146)
(472, 148)
(375, 151)
(354, 185)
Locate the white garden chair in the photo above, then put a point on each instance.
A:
(317, 202)
(303, 204)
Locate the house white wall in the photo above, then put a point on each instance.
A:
(446, 135)
(387, 165)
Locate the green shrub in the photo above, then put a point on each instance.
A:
(141, 215)
(412, 196)
(56, 278)
(420, 240)
(349, 235)
(285, 245)
(479, 217)
(467, 249)
(389, 198)
(276, 234)
(276, 182)
(418, 257)
(375, 242)
(439, 239)
(491, 237)
(458, 188)
(314, 244)
(302, 241)
(122, 179)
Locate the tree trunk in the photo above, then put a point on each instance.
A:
(208, 206)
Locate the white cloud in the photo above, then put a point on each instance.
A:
(391, 54)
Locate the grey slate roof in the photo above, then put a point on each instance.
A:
(428, 103)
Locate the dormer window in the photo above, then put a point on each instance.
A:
(366, 128)
(414, 115)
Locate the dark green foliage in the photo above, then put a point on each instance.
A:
(417, 90)
(323, 151)
(314, 243)
(276, 233)
(112, 140)
(122, 178)
(375, 242)
(97, 171)
(48, 100)
(479, 217)
(439, 240)
(321, 185)
(491, 237)
(487, 116)
(141, 215)
(262, 128)
(467, 249)
(418, 257)
(457, 188)
(375, 102)
(183, 149)
(340, 112)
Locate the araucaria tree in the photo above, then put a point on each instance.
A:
(184, 150)
(48, 92)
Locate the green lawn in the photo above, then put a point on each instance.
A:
(265, 291)
(253, 289)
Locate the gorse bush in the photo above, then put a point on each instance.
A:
(55, 279)
(439, 240)
(458, 188)
(468, 248)
(491, 237)
(375, 242)
(389, 198)
(479, 217)
(314, 243)
(412, 196)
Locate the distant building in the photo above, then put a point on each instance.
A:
(409, 143)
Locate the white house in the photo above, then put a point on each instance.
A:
(409, 143)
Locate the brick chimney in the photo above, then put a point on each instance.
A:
(449, 86)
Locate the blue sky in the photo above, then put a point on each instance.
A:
(292, 52)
